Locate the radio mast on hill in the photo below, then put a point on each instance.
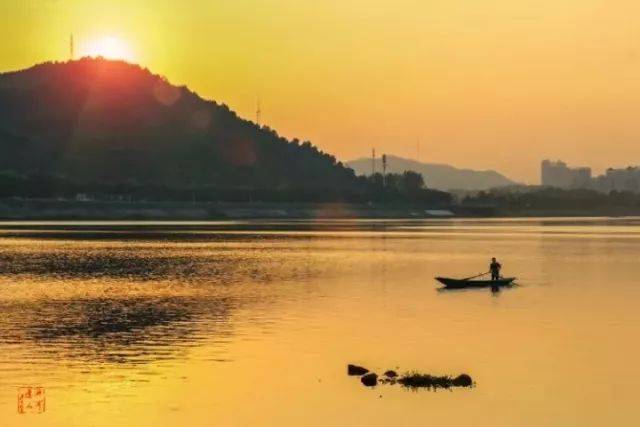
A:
(373, 161)
(258, 111)
(384, 170)
(71, 48)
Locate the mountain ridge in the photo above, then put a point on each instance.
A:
(436, 175)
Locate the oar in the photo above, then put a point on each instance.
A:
(473, 277)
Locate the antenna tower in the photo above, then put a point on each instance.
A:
(373, 161)
(258, 112)
(384, 170)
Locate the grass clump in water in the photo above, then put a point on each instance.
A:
(418, 380)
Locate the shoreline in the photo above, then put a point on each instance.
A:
(46, 209)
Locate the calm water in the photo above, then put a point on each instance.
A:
(253, 323)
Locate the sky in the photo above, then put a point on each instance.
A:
(491, 84)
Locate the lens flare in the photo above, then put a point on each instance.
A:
(109, 47)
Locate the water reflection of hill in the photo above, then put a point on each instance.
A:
(129, 302)
(199, 266)
(130, 331)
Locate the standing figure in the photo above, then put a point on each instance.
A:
(494, 268)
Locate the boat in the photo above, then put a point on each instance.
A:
(471, 283)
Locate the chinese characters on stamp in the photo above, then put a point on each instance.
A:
(31, 400)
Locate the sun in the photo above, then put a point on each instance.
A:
(109, 47)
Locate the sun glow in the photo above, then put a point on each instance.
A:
(108, 47)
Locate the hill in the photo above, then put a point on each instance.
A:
(437, 176)
(101, 125)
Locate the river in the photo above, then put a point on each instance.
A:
(253, 323)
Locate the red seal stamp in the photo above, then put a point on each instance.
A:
(31, 400)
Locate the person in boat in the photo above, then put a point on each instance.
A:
(494, 268)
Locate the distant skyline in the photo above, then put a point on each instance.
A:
(486, 85)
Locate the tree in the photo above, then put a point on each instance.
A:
(411, 182)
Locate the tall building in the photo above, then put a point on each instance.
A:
(558, 174)
(624, 179)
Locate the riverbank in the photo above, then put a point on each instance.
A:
(46, 209)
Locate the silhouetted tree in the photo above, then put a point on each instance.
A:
(411, 182)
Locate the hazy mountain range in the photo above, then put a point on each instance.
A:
(437, 176)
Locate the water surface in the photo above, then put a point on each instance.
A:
(253, 323)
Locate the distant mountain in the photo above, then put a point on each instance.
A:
(113, 123)
(437, 176)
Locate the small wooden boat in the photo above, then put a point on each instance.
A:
(471, 283)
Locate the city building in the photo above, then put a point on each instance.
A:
(625, 179)
(558, 174)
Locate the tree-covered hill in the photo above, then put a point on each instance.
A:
(102, 123)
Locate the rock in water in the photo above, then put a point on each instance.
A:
(391, 374)
(356, 370)
(370, 380)
(462, 380)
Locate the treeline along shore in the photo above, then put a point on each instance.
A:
(548, 201)
(539, 202)
(46, 209)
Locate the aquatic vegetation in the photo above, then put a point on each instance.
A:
(418, 380)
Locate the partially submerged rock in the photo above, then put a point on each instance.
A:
(391, 373)
(356, 370)
(463, 380)
(370, 379)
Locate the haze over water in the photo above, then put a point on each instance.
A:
(253, 323)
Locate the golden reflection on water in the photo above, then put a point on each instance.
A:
(253, 323)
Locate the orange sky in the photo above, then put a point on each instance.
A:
(483, 84)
